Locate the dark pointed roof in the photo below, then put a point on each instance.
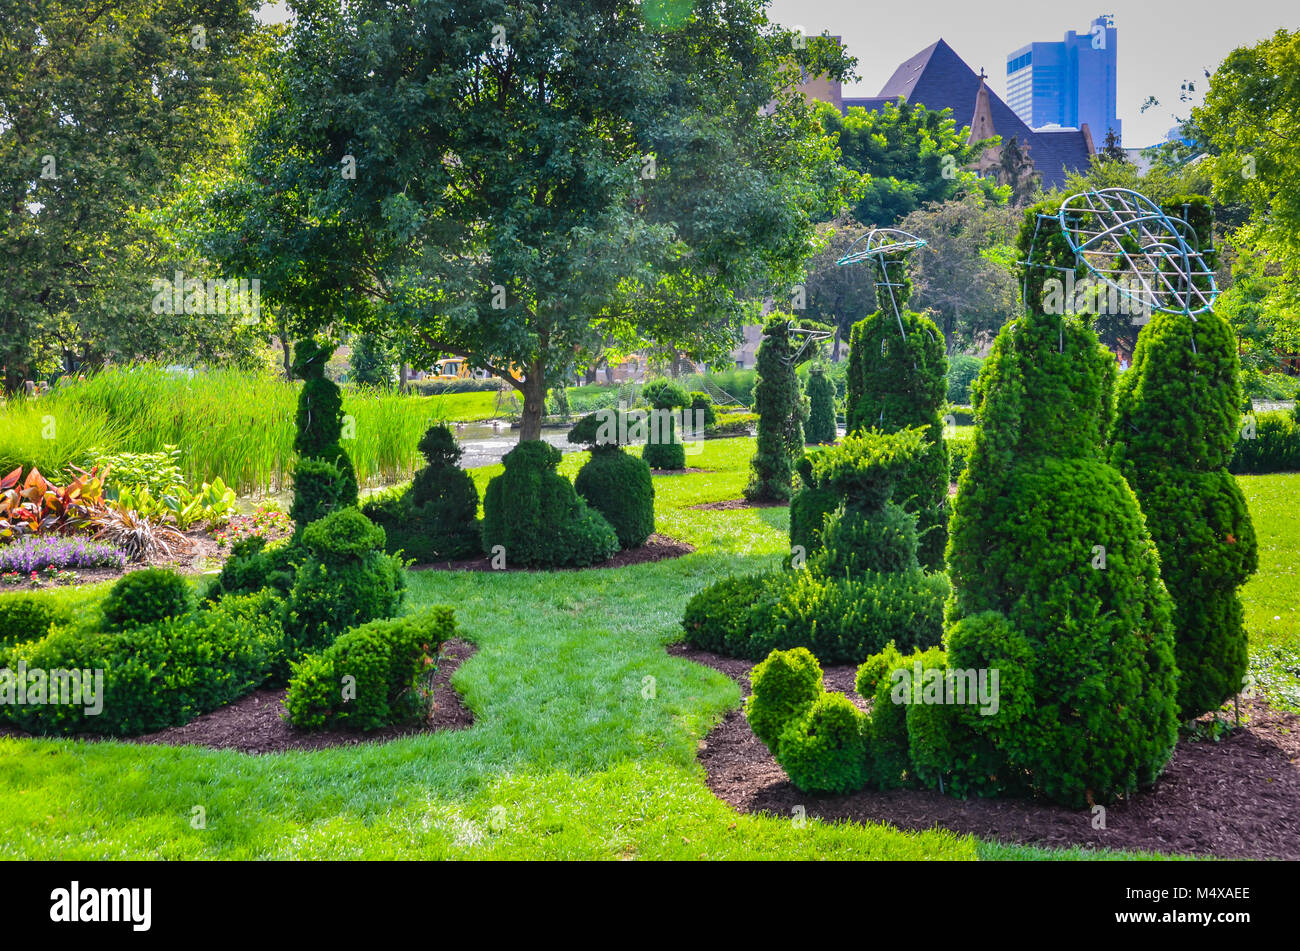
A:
(938, 78)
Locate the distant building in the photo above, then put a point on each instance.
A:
(938, 78)
(1068, 84)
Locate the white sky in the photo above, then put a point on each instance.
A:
(1161, 42)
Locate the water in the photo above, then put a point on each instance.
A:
(484, 445)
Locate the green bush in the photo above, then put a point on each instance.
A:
(703, 403)
(732, 424)
(157, 675)
(143, 597)
(888, 742)
(854, 542)
(620, 488)
(962, 371)
(809, 507)
(665, 450)
(534, 513)
(665, 394)
(961, 415)
(392, 663)
(437, 518)
(254, 564)
(784, 685)
(319, 488)
(780, 425)
(823, 750)
(345, 580)
(324, 479)
(713, 617)
(27, 617)
(958, 456)
(821, 407)
(1038, 506)
(1268, 442)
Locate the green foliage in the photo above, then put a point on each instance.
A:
(894, 384)
(25, 617)
(319, 488)
(1036, 508)
(665, 449)
(824, 750)
(344, 580)
(392, 663)
(1174, 432)
(785, 684)
(777, 399)
(1268, 442)
(254, 565)
(854, 542)
(159, 472)
(962, 371)
(703, 403)
(665, 394)
(372, 362)
(888, 743)
(809, 507)
(821, 407)
(161, 674)
(620, 488)
(437, 520)
(143, 597)
(534, 513)
(324, 480)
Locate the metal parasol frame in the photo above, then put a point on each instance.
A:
(878, 243)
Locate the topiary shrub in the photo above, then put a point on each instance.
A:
(809, 507)
(823, 750)
(255, 564)
(1269, 442)
(665, 449)
(821, 426)
(896, 381)
(784, 685)
(324, 479)
(392, 663)
(437, 518)
(143, 597)
(616, 485)
(780, 424)
(665, 394)
(1037, 510)
(1173, 435)
(702, 404)
(962, 371)
(27, 617)
(345, 580)
(155, 675)
(534, 513)
(888, 679)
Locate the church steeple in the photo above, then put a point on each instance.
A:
(981, 123)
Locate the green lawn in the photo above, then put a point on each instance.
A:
(569, 757)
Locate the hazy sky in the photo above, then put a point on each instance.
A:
(1161, 42)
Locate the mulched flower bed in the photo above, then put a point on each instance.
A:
(257, 724)
(735, 505)
(656, 548)
(1237, 798)
(676, 472)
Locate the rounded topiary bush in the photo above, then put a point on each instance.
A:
(25, 617)
(665, 394)
(345, 580)
(1174, 434)
(784, 685)
(143, 597)
(854, 542)
(664, 450)
(620, 488)
(534, 514)
(823, 750)
(702, 404)
(809, 507)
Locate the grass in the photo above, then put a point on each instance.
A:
(572, 754)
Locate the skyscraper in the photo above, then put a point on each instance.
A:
(1067, 84)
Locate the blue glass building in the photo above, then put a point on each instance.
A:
(1067, 84)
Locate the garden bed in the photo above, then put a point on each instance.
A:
(736, 505)
(257, 723)
(656, 548)
(1232, 799)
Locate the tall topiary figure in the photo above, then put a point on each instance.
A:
(665, 450)
(616, 485)
(1174, 432)
(897, 379)
(821, 427)
(1048, 543)
(778, 402)
(323, 479)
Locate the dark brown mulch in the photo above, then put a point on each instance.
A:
(656, 548)
(733, 505)
(675, 472)
(256, 723)
(1238, 798)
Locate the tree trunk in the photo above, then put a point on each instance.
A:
(533, 390)
(288, 357)
(401, 376)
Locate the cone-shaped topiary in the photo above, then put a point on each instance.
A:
(1174, 432)
(330, 483)
(537, 518)
(821, 427)
(777, 400)
(1048, 534)
(897, 382)
(616, 485)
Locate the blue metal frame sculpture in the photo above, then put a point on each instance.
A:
(883, 247)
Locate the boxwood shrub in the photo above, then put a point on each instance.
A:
(392, 663)
(28, 617)
(143, 597)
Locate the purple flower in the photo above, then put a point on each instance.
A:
(38, 552)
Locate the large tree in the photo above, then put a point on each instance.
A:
(101, 107)
(523, 183)
(963, 275)
(905, 156)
